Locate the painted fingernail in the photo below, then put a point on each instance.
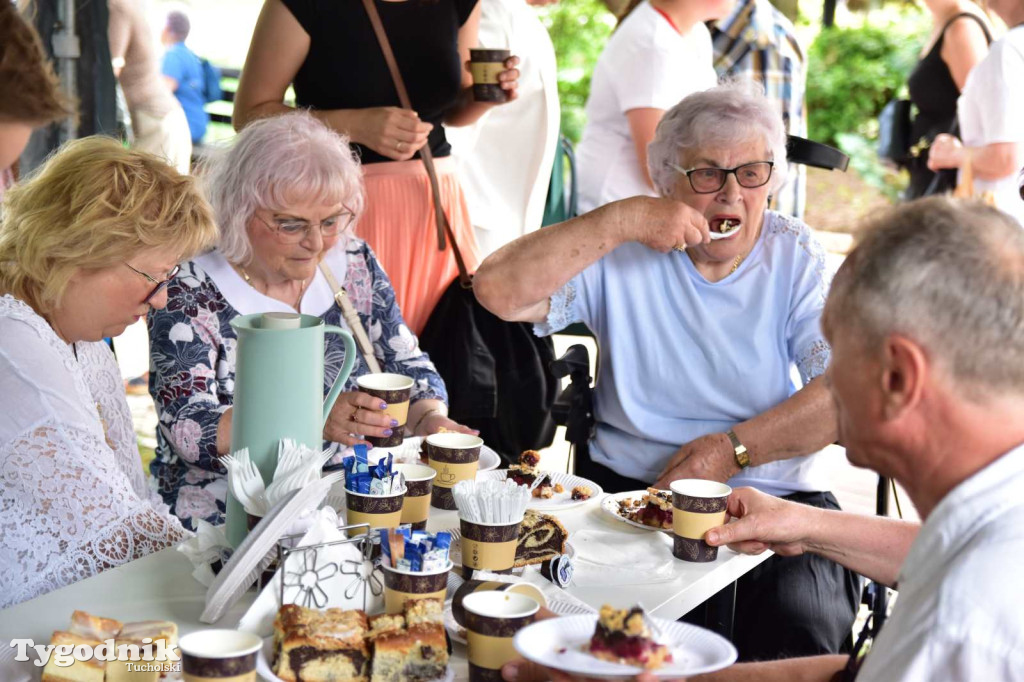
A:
(383, 405)
(394, 423)
(387, 432)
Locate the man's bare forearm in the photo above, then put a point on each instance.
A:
(809, 669)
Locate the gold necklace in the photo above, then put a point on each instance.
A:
(248, 280)
(736, 264)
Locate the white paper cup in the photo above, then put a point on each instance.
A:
(219, 654)
(280, 321)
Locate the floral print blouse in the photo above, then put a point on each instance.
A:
(192, 362)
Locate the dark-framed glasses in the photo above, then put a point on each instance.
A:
(295, 230)
(160, 284)
(708, 180)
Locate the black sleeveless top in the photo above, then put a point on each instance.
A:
(934, 92)
(345, 68)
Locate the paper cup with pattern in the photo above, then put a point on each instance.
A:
(488, 547)
(400, 586)
(468, 587)
(219, 655)
(394, 389)
(486, 65)
(455, 457)
(419, 482)
(697, 507)
(380, 511)
(492, 620)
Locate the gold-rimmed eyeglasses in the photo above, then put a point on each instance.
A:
(160, 284)
(708, 180)
(295, 230)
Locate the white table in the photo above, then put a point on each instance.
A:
(160, 586)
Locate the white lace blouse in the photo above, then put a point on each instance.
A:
(73, 497)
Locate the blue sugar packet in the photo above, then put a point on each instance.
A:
(362, 466)
(414, 553)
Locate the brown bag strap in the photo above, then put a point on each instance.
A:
(443, 225)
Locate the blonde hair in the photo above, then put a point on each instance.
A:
(94, 204)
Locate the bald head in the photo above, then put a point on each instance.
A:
(948, 274)
(178, 24)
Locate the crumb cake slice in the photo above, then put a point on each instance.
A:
(541, 537)
(94, 627)
(582, 492)
(320, 646)
(655, 509)
(526, 472)
(622, 636)
(416, 654)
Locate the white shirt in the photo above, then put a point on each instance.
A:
(505, 158)
(645, 65)
(682, 357)
(960, 612)
(74, 498)
(991, 110)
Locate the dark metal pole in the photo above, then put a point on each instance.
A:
(828, 17)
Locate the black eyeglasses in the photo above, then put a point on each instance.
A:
(295, 230)
(708, 180)
(160, 285)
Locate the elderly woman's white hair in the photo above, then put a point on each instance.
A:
(727, 115)
(273, 164)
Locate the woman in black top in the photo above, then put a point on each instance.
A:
(328, 51)
(959, 40)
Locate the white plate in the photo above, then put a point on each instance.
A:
(559, 501)
(455, 550)
(265, 671)
(560, 643)
(409, 452)
(610, 505)
(562, 608)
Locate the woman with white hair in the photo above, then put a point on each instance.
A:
(286, 196)
(702, 301)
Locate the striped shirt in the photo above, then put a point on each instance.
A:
(757, 41)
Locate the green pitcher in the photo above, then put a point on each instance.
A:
(279, 379)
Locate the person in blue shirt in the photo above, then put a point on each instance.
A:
(184, 74)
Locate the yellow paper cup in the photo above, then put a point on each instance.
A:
(419, 483)
(485, 65)
(380, 511)
(492, 620)
(400, 586)
(394, 389)
(455, 457)
(697, 507)
(219, 655)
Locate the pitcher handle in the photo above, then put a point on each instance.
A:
(346, 367)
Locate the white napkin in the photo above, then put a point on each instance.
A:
(340, 573)
(408, 452)
(208, 545)
(605, 558)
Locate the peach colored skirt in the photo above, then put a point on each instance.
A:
(399, 225)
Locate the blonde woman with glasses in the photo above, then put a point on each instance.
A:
(286, 196)
(87, 247)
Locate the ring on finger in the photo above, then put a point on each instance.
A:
(680, 249)
(400, 146)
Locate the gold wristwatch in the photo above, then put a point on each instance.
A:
(739, 450)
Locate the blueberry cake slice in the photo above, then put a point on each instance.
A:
(622, 636)
(525, 473)
(655, 509)
(541, 537)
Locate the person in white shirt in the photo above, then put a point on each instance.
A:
(991, 114)
(87, 247)
(505, 158)
(660, 53)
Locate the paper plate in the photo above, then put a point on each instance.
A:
(266, 654)
(560, 643)
(562, 500)
(610, 505)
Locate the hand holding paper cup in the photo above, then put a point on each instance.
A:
(486, 65)
(697, 507)
(492, 620)
(393, 389)
(455, 457)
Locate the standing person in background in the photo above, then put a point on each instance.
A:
(329, 51)
(758, 42)
(505, 158)
(991, 113)
(659, 54)
(31, 91)
(958, 42)
(183, 73)
(158, 121)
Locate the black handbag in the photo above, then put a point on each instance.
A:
(496, 371)
(894, 131)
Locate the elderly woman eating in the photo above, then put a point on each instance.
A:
(87, 247)
(702, 302)
(286, 196)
